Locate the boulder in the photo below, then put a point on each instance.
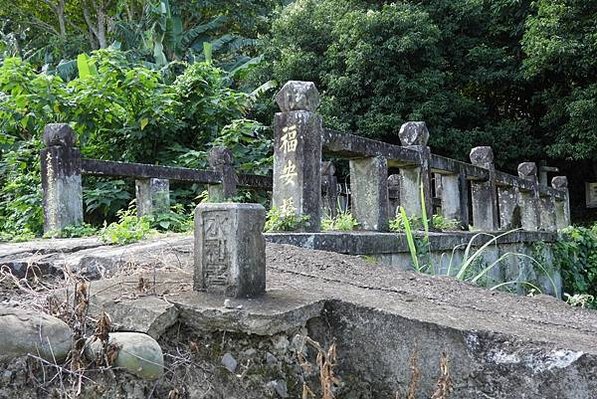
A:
(138, 353)
(25, 332)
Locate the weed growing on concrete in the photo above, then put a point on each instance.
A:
(284, 218)
(343, 221)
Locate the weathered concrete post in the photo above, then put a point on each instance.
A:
(484, 194)
(450, 197)
(61, 178)
(230, 249)
(297, 152)
(329, 188)
(562, 207)
(369, 187)
(153, 196)
(393, 194)
(508, 207)
(221, 161)
(547, 213)
(529, 201)
(414, 135)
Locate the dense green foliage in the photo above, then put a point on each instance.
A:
(576, 255)
(458, 65)
(122, 111)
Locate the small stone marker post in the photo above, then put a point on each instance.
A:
(230, 249)
(222, 162)
(509, 207)
(414, 135)
(529, 201)
(153, 196)
(297, 152)
(484, 194)
(329, 187)
(562, 207)
(61, 178)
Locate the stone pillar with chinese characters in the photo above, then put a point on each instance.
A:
(529, 200)
(153, 196)
(230, 249)
(414, 136)
(222, 162)
(297, 152)
(61, 178)
(484, 194)
(509, 207)
(562, 207)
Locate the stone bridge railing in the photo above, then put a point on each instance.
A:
(474, 194)
(62, 168)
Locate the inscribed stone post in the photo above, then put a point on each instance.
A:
(529, 201)
(369, 187)
(547, 213)
(562, 207)
(414, 135)
(221, 161)
(153, 196)
(230, 249)
(61, 178)
(484, 194)
(297, 152)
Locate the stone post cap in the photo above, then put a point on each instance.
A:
(527, 169)
(328, 168)
(481, 155)
(297, 95)
(414, 133)
(559, 182)
(220, 156)
(59, 134)
(393, 180)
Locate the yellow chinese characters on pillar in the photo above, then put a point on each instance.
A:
(289, 139)
(289, 174)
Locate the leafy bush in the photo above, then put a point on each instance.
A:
(129, 228)
(84, 230)
(576, 255)
(121, 110)
(284, 218)
(344, 221)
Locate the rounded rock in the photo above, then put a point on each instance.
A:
(559, 182)
(414, 133)
(138, 353)
(25, 332)
(220, 156)
(481, 155)
(527, 169)
(59, 134)
(297, 95)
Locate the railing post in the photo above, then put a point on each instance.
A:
(221, 161)
(509, 208)
(297, 152)
(329, 188)
(562, 207)
(450, 196)
(547, 213)
(369, 187)
(393, 194)
(153, 196)
(414, 136)
(484, 194)
(61, 178)
(529, 201)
